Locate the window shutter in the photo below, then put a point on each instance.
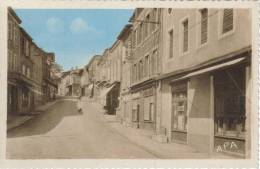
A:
(204, 26)
(227, 20)
(171, 44)
(185, 36)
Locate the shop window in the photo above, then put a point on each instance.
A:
(229, 86)
(179, 107)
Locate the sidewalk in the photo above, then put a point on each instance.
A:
(143, 138)
(17, 120)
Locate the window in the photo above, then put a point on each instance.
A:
(179, 107)
(141, 32)
(140, 70)
(228, 17)
(153, 62)
(229, 103)
(146, 66)
(24, 70)
(14, 61)
(28, 73)
(204, 26)
(134, 38)
(151, 111)
(169, 10)
(147, 28)
(9, 29)
(170, 34)
(9, 59)
(135, 73)
(185, 44)
(153, 19)
(27, 48)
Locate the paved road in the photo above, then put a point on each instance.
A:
(63, 133)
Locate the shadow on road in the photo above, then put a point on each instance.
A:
(46, 121)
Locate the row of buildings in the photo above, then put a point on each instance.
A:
(32, 79)
(183, 74)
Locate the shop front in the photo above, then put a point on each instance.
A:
(12, 103)
(179, 112)
(229, 110)
(208, 108)
(143, 108)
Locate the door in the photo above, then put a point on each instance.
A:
(179, 113)
(138, 116)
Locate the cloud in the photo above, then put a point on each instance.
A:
(54, 25)
(78, 25)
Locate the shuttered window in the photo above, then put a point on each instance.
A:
(185, 35)
(204, 26)
(170, 43)
(147, 26)
(227, 20)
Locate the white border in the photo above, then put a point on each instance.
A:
(70, 4)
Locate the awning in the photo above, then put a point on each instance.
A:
(209, 69)
(35, 91)
(105, 91)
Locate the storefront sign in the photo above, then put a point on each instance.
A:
(180, 108)
(136, 95)
(148, 92)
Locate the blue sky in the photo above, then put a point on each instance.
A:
(74, 35)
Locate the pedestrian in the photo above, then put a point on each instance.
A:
(79, 106)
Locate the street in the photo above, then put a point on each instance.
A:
(63, 133)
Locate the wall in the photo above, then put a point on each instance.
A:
(200, 118)
(215, 47)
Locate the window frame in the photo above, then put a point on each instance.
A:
(198, 31)
(181, 36)
(222, 35)
(169, 40)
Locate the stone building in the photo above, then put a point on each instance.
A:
(206, 79)
(37, 57)
(26, 69)
(74, 83)
(145, 66)
(85, 85)
(27, 82)
(50, 86)
(124, 112)
(14, 68)
(93, 71)
(62, 85)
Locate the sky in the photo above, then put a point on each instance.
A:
(74, 35)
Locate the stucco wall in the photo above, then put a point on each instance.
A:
(199, 116)
(215, 47)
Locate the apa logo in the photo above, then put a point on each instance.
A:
(227, 145)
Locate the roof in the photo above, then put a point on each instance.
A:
(12, 12)
(125, 31)
(94, 58)
(26, 34)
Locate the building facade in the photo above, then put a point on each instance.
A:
(145, 66)
(125, 109)
(14, 68)
(26, 69)
(206, 78)
(37, 57)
